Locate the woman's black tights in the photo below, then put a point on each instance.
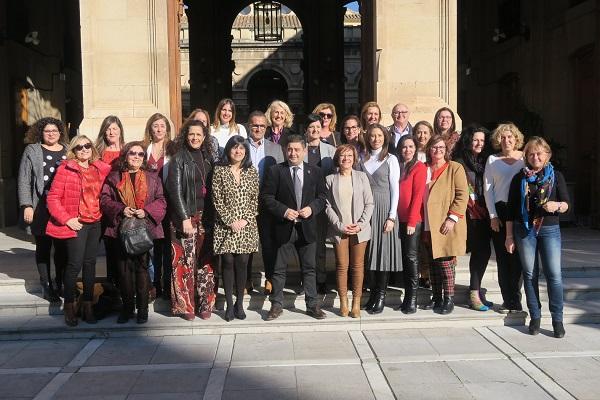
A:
(233, 267)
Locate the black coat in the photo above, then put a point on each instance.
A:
(277, 195)
(181, 186)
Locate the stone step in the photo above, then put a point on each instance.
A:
(583, 289)
(292, 320)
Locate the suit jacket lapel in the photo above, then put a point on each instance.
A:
(336, 191)
(287, 178)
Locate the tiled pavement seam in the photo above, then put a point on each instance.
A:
(67, 372)
(543, 380)
(218, 374)
(379, 384)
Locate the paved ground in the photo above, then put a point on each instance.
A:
(434, 361)
(473, 363)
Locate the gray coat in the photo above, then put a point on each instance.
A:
(362, 205)
(30, 182)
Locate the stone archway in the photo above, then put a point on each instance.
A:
(265, 86)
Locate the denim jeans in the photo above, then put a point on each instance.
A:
(548, 244)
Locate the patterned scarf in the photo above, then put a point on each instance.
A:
(544, 183)
(133, 194)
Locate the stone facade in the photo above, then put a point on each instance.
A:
(281, 60)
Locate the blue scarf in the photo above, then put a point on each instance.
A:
(544, 184)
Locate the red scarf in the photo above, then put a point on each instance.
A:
(133, 194)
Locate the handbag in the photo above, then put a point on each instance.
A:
(135, 236)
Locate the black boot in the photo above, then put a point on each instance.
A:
(448, 305)
(559, 329)
(379, 303)
(434, 304)
(534, 326)
(372, 292)
(409, 305)
(382, 280)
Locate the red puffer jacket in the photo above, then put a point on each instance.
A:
(64, 196)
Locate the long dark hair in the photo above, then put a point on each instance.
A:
(231, 143)
(463, 153)
(411, 164)
(181, 139)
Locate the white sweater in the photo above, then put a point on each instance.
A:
(497, 177)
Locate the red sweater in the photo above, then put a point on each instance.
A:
(410, 204)
(65, 195)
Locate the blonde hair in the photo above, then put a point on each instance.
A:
(74, 142)
(365, 109)
(535, 142)
(289, 117)
(322, 106)
(509, 126)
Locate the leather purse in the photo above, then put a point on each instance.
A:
(135, 236)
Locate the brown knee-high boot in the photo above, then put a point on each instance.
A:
(358, 273)
(342, 287)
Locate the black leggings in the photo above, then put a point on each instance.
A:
(233, 266)
(479, 235)
(43, 249)
(82, 252)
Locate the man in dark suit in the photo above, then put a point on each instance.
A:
(264, 155)
(400, 127)
(294, 193)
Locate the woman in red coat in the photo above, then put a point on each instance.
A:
(131, 192)
(413, 174)
(74, 206)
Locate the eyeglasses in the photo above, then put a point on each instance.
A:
(51, 130)
(438, 148)
(80, 147)
(326, 115)
(350, 128)
(445, 117)
(136, 153)
(399, 112)
(258, 126)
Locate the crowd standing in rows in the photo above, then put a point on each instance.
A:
(405, 197)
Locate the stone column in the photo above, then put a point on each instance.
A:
(125, 63)
(416, 56)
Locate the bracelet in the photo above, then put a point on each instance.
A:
(391, 219)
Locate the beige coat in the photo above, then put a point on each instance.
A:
(362, 205)
(449, 192)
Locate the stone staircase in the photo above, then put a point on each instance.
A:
(23, 313)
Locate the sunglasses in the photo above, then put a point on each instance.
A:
(80, 147)
(326, 115)
(136, 153)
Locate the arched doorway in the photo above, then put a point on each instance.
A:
(265, 86)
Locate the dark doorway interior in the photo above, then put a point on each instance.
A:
(264, 87)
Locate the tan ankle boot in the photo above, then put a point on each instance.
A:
(70, 317)
(87, 313)
(344, 305)
(355, 313)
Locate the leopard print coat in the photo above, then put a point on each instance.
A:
(233, 202)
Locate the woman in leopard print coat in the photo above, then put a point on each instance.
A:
(235, 197)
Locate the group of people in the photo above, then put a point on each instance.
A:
(397, 198)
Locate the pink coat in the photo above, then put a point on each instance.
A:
(64, 196)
